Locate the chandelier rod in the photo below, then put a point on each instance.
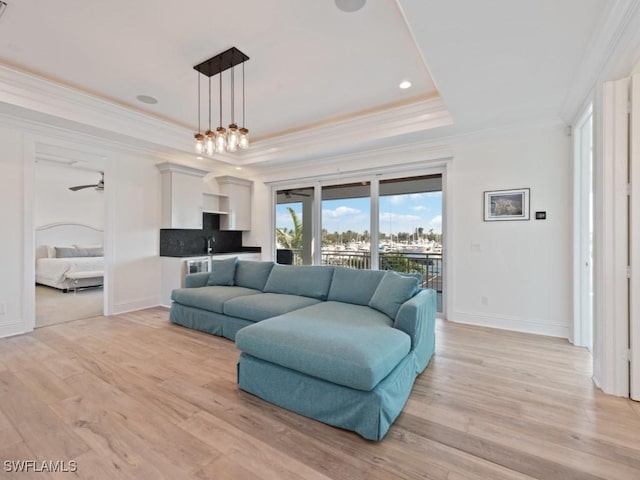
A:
(233, 94)
(243, 94)
(209, 103)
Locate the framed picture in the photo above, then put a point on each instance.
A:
(501, 205)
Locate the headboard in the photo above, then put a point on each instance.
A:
(66, 235)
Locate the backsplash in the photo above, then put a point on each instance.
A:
(181, 243)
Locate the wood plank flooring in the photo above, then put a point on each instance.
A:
(135, 397)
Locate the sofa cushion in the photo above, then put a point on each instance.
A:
(394, 289)
(210, 298)
(350, 345)
(223, 272)
(354, 286)
(265, 305)
(305, 280)
(252, 274)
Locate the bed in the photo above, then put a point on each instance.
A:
(69, 256)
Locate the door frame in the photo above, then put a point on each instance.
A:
(582, 334)
(30, 149)
(611, 242)
(634, 238)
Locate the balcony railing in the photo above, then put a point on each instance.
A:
(429, 265)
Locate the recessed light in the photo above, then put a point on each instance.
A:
(350, 5)
(199, 158)
(405, 84)
(147, 99)
(238, 168)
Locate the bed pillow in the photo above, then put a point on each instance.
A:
(42, 252)
(87, 246)
(69, 252)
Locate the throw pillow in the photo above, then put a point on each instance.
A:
(252, 274)
(223, 272)
(392, 292)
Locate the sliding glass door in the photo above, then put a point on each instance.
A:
(381, 223)
(410, 224)
(346, 221)
(294, 226)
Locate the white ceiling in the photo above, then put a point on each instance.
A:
(316, 72)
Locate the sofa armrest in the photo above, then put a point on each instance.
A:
(417, 318)
(195, 280)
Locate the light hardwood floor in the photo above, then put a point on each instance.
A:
(134, 397)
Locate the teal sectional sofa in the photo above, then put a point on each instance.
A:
(339, 345)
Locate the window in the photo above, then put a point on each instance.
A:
(391, 224)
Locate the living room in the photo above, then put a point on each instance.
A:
(510, 81)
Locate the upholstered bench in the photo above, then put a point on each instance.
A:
(92, 277)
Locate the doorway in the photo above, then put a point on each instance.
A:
(69, 223)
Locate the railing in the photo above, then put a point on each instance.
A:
(429, 265)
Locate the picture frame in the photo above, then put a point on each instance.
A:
(506, 205)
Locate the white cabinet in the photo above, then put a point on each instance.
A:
(236, 202)
(182, 199)
(212, 203)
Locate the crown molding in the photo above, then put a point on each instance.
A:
(58, 105)
(429, 151)
(316, 141)
(598, 53)
(36, 94)
(179, 168)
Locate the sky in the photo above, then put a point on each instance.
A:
(398, 213)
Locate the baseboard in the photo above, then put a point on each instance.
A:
(132, 306)
(11, 328)
(510, 323)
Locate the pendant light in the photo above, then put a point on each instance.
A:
(243, 143)
(221, 133)
(233, 136)
(198, 136)
(222, 140)
(209, 143)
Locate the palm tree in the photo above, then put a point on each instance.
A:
(291, 239)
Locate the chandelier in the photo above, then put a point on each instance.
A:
(222, 139)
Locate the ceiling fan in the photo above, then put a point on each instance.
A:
(290, 193)
(98, 186)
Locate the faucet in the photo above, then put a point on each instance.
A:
(210, 243)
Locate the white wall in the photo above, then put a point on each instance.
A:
(54, 202)
(522, 268)
(132, 184)
(11, 241)
(132, 225)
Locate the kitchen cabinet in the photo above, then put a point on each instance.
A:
(212, 203)
(182, 199)
(236, 202)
